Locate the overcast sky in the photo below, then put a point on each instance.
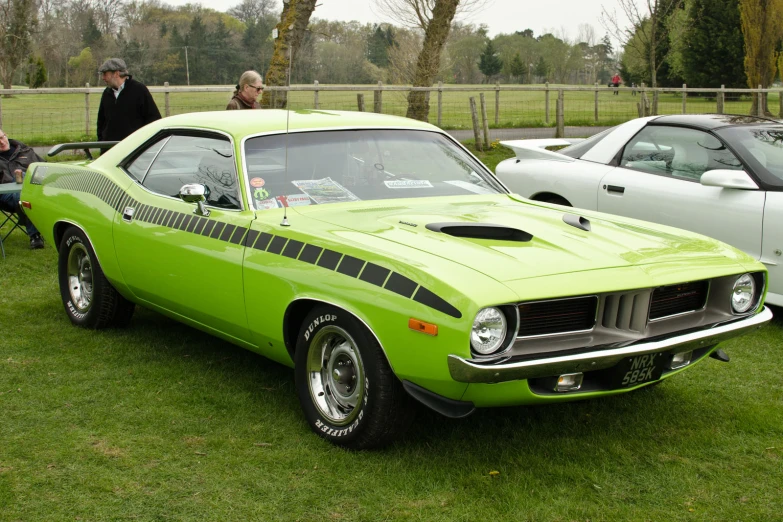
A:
(501, 16)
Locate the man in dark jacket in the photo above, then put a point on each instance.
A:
(15, 157)
(126, 105)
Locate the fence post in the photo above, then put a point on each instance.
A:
(655, 102)
(684, 98)
(484, 122)
(274, 99)
(440, 102)
(497, 103)
(560, 115)
(1, 111)
(166, 106)
(315, 95)
(360, 101)
(643, 102)
(378, 99)
(596, 102)
(87, 110)
(721, 99)
(474, 117)
(760, 104)
(546, 104)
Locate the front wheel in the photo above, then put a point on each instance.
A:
(87, 295)
(347, 390)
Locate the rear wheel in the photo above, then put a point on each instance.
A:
(87, 295)
(347, 390)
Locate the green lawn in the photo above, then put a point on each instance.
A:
(54, 118)
(162, 422)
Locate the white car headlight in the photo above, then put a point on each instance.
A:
(743, 296)
(489, 331)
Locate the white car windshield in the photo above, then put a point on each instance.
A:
(759, 147)
(309, 168)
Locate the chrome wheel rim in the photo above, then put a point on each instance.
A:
(336, 375)
(80, 277)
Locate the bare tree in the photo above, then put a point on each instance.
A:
(434, 17)
(290, 33)
(107, 14)
(18, 20)
(646, 34)
(251, 11)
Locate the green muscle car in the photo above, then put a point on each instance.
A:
(385, 264)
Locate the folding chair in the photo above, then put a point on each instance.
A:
(8, 216)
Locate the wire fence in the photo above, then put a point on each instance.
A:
(45, 116)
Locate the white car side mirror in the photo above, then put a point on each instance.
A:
(725, 178)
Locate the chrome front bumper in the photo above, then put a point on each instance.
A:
(472, 370)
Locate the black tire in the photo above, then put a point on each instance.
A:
(88, 297)
(347, 390)
(555, 200)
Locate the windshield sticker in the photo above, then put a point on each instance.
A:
(408, 183)
(324, 190)
(470, 187)
(294, 200)
(257, 182)
(266, 204)
(260, 194)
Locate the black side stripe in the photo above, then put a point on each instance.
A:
(101, 187)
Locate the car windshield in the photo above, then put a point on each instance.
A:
(338, 166)
(761, 148)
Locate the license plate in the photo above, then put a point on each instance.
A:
(639, 369)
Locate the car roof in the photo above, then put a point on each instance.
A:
(242, 123)
(712, 121)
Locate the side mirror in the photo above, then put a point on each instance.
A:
(725, 178)
(195, 193)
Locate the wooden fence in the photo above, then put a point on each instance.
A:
(646, 101)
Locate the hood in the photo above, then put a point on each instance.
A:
(521, 239)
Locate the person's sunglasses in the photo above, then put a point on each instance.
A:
(259, 89)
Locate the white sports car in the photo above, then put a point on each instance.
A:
(718, 175)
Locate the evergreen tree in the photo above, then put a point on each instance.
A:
(377, 49)
(518, 67)
(715, 52)
(91, 34)
(489, 63)
(222, 55)
(541, 69)
(38, 76)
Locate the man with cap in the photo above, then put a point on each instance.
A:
(126, 104)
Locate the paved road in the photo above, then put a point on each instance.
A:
(495, 134)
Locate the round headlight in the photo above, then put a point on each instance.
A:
(489, 330)
(744, 293)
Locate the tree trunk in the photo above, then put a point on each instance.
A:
(428, 62)
(291, 29)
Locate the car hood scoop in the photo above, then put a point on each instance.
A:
(481, 231)
(508, 239)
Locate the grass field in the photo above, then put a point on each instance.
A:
(162, 422)
(41, 119)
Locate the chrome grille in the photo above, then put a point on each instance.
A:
(626, 311)
(557, 316)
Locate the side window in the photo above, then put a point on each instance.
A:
(677, 152)
(208, 161)
(138, 169)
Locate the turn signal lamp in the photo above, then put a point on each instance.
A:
(569, 382)
(421, 326)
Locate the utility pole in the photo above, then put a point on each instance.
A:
(187, 67)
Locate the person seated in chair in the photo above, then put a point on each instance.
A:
(15, 157)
